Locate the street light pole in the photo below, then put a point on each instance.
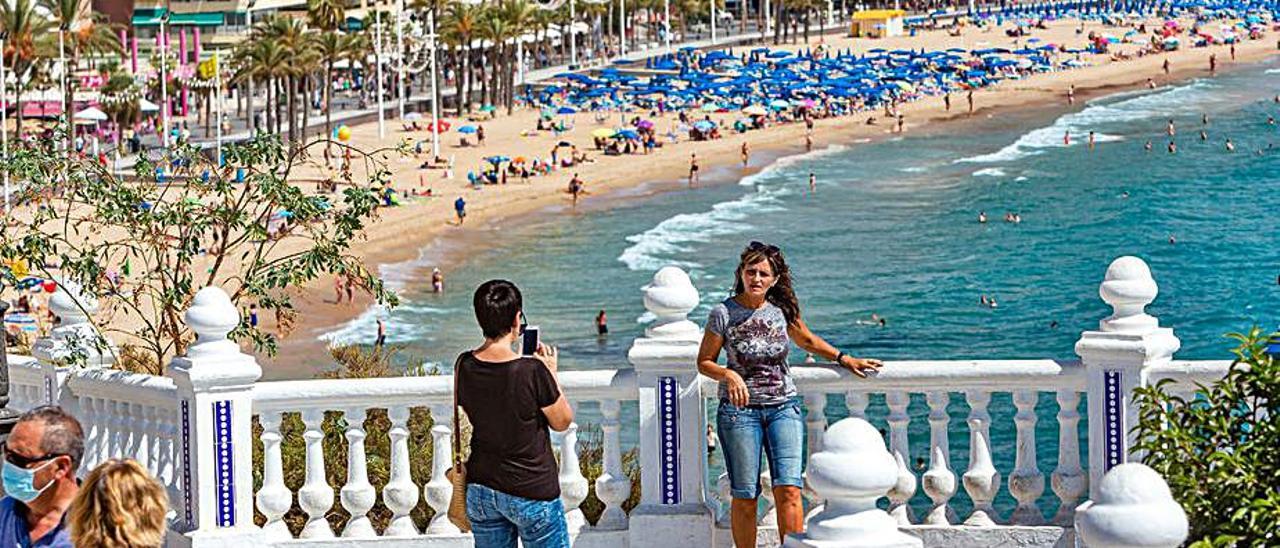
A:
(573, 38)
(666, 24)
(435, 105)
(217, 105)
(377, 39)
(4, 125)
(400, 54)
(164, 81)
(713, 21)
(622, 36)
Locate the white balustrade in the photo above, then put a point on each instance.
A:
(573, 486)
(939, 480)
(358, 495)
(1026, 483)
(613, 487)
(439, 490)
(274, 498)
(982, 480)
(1068, 480)
(401, 494)
(899, 446)
(316, 496)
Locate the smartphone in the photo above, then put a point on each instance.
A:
(529, 345)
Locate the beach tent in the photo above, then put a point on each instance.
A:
(91, 114)
(877, 23)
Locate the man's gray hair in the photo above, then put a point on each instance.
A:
(62, 432)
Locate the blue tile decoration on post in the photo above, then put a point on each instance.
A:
(669, 438)
(224, 457)
(48, 390)
(1113, 415)
(186, 464)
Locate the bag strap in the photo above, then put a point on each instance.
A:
(457, 429)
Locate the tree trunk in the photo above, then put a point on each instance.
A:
(328, 99)
(778, 23)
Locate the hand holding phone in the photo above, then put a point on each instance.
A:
(530, 341)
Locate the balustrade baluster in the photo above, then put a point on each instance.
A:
(1026, 483)
(119, 427)
(981, 481)
(316, 495)
(1068, 480)
(170, 459)
(857, 403)
(358, 495)
(815, 420)
(573, 486)
(137, 431)
(438, 490)
(103, 441)
(898, 445)
(151, 442)
(400, 495)
(939, 481)
(274, 498)
(613, 487)
(91, 432)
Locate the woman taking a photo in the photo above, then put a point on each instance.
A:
(759, 409)
(513, 485)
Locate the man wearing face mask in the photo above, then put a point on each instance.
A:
(40, 462)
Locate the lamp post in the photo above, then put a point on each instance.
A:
(217, 105)
(400, 54)
(4, 124)
(377, 40)
(713, 21)
(573, 38)
(666, 24)
(7, 416)
(435, 105)
(622, 19)
(164, 80)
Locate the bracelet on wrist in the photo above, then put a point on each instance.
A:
(840, 356)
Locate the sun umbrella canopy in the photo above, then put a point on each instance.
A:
(755, 110)
(467, 129)
(566, 110)
(91, 114)
(444, 126)
(603, 133)
(147, 106)
(413, 116)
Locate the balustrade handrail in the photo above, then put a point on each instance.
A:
(22, 367)
(934, 375)
(332, 394)
(124, 386)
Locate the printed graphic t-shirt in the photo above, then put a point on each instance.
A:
(756, 343)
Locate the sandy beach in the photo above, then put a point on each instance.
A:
(403, 232)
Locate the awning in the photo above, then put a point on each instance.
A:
(41, 109)
(197, 19)
(147, 17)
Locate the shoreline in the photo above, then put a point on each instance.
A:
(413, 252)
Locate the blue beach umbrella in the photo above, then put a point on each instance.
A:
(467, 129)
(566, 110)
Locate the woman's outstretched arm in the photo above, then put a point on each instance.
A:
(813, 344)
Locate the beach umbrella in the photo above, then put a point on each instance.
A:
(488, 108)
(755, 110)
(627, 134)
(644, 124)
(564, 144)
(779, 104)
(444, 126)
(467, 129)
(495, 160)
(92, 115)
(710, 107)
(147, 106)
(704, 125)
(566, 110)
(413, 116)
(603, 133)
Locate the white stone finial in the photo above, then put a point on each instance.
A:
(1128, 288)
(1133, 509)
(71, 303)
(850, 517)
(212, 316)
(670, 297)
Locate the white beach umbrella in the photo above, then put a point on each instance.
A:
(147, 106)
(91, 114)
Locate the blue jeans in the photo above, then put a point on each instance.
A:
(746, 431)
(497, 519)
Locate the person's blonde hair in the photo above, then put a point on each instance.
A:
(119, 505)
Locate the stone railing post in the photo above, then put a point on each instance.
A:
(74, 342)
(672, 509)
(1133, 508)
(1116, 359)
(215, 407)
(849, 517)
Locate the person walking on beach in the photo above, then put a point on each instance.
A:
(382, 335)
(337, 289)
(746, 154)
(460, 209)
(1166, 67)
(513, 486)
(693, 168)
(969, 97)
(479, 134)
(1213, 63)
(902, 121)
(808, 142)
(758, 409)
(602, 323)
(1071, 94)
(946, 101)
(1233, 51)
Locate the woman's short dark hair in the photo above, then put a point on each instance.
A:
(497, 302)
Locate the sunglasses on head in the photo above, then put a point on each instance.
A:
(759, 246)
(24, 462)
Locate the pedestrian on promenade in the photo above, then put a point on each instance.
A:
(39, 473)
(119, 505)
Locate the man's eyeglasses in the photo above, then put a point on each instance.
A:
(759, 246)
(24, 462)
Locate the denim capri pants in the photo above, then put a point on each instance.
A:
(746, 432)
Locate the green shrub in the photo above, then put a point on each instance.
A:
(1218, 449)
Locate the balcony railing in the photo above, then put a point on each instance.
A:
(194, 429)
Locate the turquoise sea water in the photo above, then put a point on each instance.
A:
(892, 230)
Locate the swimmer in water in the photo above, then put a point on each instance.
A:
(1172, 240)
(1091, 140)
(982, 217)
(1204, 119)
(1271, 120)
(1066, 138)
(813, 183)
(1124, 194)
(1231, 147)
(1173, 148)
(1151, 84)
(1204, 136)
(1148, 145)
(1170, 129)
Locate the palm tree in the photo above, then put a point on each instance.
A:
(326, 15)
(519, 16)
(331, 47)
(262, 60)
(289, 33)
(27, 43)
(68, 15)
(459, 29)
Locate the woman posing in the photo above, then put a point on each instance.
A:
(759, 409)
